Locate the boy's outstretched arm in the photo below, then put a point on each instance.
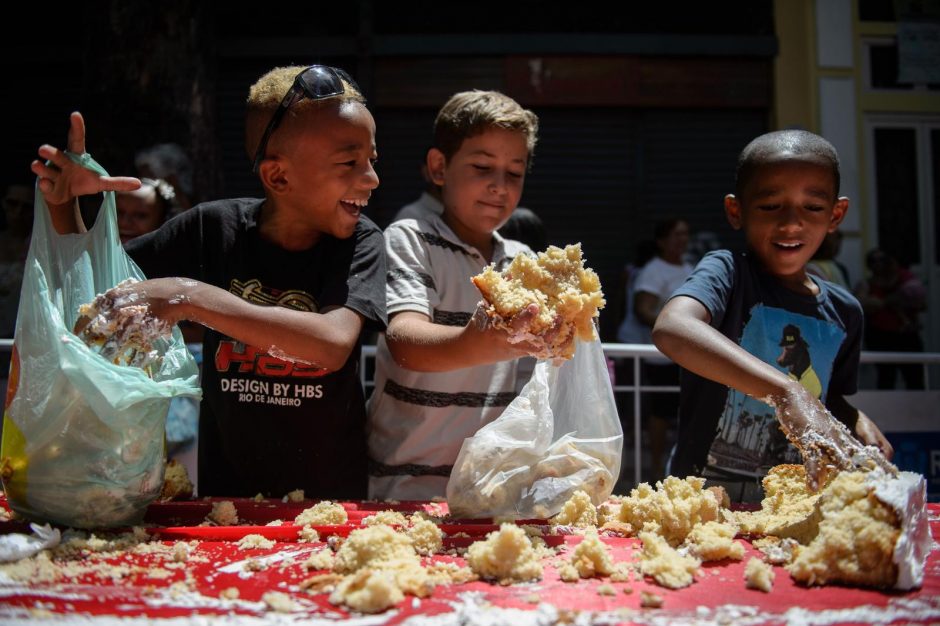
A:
(323, 339)
(416, 343)
(62, 181)
(683, 333)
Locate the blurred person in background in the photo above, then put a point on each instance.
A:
(145, 209)
(650, 289)
(892, 297)
(169, 162)
(14, 244)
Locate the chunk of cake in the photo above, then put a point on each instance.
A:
(671, 510)
(568, 296)
(865, 528)
(176, 482)
(591, 557)
(758, 575)
(665, 564)
(120, 332)
(506, 556)
(578, 511)
(788, 508)
(322, 513)
(873, 532)
(714, 541)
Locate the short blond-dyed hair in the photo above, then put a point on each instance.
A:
(265, 95)
(470, 113)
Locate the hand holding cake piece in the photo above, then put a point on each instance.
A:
(567, 296)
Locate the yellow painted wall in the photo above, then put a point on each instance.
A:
(795, 66)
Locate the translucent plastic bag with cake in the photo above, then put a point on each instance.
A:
(562, 433)
(83, 427)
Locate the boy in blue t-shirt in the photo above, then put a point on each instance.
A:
(753, 331)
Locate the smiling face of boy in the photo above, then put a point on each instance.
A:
(319, 175)
(481, 183)
(785, 210)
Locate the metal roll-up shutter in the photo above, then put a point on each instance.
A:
(583, 182)
(601, 176)
(403, 136)
(690, 157)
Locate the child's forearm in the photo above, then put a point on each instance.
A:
(322, 339)
(418, 344)
(67, 218)
(682, 333)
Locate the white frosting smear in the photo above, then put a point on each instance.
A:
(906, 494)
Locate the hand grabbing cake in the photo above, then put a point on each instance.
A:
(123, 334)
(568, 296)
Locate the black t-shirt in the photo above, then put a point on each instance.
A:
(268, 425)
(815, 339)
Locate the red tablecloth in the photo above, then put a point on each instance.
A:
(147, 588)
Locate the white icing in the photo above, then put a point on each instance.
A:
(906, 494)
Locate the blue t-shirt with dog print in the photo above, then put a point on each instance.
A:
(815, 339)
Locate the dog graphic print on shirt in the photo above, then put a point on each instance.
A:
(748, 434)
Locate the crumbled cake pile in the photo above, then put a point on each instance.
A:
(506, 556)
(759, 575)
(864, 528)
(788, 508)
(223, 513)
(859, 531)
(378, 565)
(176, 483)
(568, 296)
(322, 514)
(665, 564)
(855, 540)
(672, 509)
(714, 541)
(578, 511)
(591, 558)
(121, 333)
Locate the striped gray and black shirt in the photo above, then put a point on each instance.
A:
(418, 420)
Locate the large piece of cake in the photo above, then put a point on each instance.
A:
(567, 293)
(865, 528)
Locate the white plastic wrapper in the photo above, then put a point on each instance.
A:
(561, 434)
(16, 546)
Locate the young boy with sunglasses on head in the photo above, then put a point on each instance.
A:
(285, 286)
(762, 343)
(441, 375)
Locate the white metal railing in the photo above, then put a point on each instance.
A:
(637, 353)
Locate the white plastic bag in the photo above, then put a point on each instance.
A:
(561, 434)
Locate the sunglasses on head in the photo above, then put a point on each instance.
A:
(315, 82)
